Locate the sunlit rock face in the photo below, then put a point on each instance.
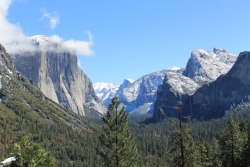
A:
(213, 99)
(204, 67)
(53, 68)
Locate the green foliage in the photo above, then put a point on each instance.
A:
(118, 147)
(72, 140)
(24, 110)
(214, 154)
(233, 142)
(29, 154)
(182, 139)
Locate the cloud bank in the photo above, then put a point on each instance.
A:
(15, 41)
(11, 36)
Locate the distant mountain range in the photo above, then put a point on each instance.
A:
(137, 96)
(53, 69)
(202, 68)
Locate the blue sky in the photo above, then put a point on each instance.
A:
(132, 38)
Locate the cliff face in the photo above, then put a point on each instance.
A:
(53, 68)
(175, 87)
(202, 68)
(212, 100)
(141, 94)
(5, 59)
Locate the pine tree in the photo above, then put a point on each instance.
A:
(233, 143)
(118, 147)
(214, 154)
(182, 148)
(30, 154)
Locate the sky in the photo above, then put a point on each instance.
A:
(118, 39)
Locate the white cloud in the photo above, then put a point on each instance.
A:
(15, 41)
(52, 17)
(81, 47)
(11, 36)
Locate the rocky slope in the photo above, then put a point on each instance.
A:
(175, 87)
(204, 67)
(212, 100)
(26, 111)
(53, 68)
(141, 94)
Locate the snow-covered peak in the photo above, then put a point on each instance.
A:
(99, 86)
(205, 67)
(174, 68)
(142, 91)
(50, 43)
(105, 91)
(130, 80)
(181, 84)
(41, 40)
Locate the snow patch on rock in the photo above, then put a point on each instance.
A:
(181, 84)
(105, 91)
(205, 67)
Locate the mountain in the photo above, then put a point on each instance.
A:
(105, 91)
(53, 68)
(137, 96)
(141, 94)
(211, 100)
(202, 68)
(26, 111)
(175, 87)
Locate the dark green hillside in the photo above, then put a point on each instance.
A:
(25, 111)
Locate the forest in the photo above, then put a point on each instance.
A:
(30, 121)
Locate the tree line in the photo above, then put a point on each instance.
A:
(213, 143)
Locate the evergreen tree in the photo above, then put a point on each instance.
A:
(233, 143)
(182, 148)
(118, 147)
(214, 154)
(29, 154)
(202, 153)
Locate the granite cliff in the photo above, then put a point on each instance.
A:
(202, 68)
(53, 68)
(213, 99)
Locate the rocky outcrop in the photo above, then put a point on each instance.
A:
(6, 68)
(211, 100)
(204, 67)
(5, 59)
(175, 87)
(140, 95)
(53, 68)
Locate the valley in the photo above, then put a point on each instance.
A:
(37, 100)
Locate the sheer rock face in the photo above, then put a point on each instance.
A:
(205, 67)
(174, 87)
(5, 59)
(53, 68)
(211, 100)
(202, 68)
